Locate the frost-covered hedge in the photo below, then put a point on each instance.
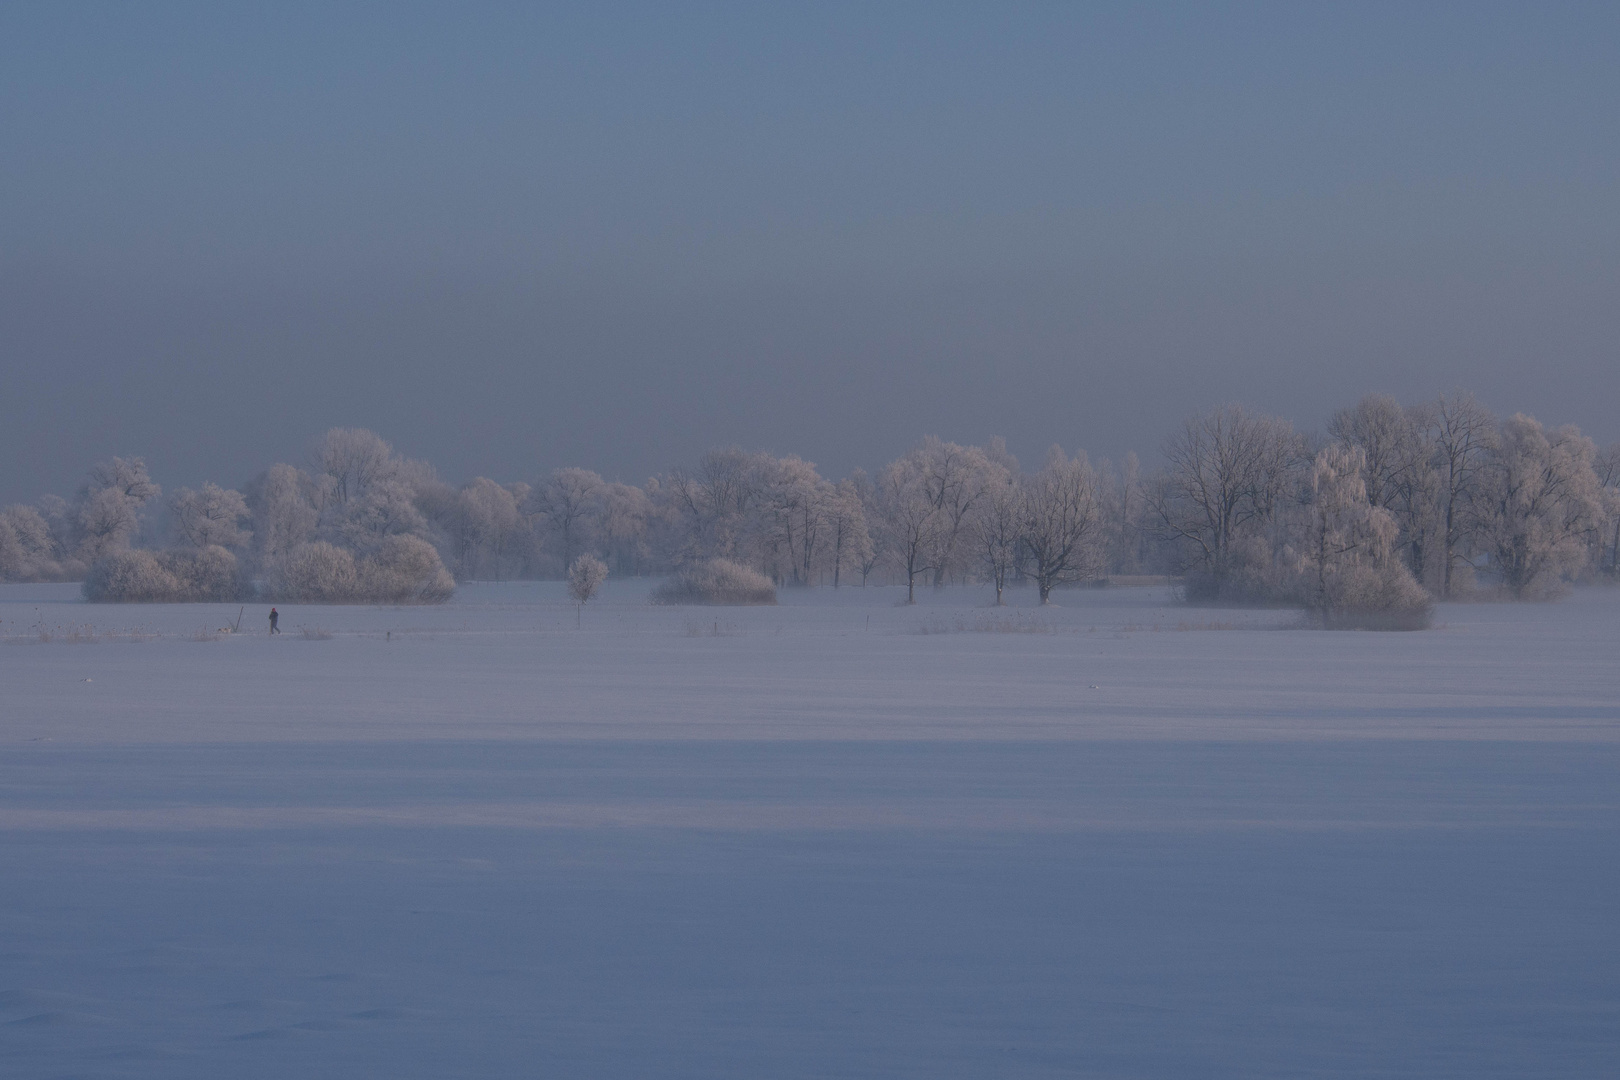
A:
(179, 576)
(1373, 598)
(403, 570)
(1344, 595)
(718, 581)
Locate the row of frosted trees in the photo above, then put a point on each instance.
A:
(1392, 501)
(1392, 505)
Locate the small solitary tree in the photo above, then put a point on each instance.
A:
(585, 576)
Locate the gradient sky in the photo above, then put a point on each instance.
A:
(513, 237)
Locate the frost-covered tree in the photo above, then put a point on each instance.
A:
(28, 551)
(585, 577)
(1388, 439)
(849, 542)
(1125, 531)
(353, 459)
(1062, 522)
(386, 508)
(712, 506)
(33, 532)
(792, 509)
(1402, 472)
(284, 513)
(60, 518)
(876, 550)
(1227, 475)
(1607, 467)
(1536, 503)
(998, 526)
(1460, 434)
(210, 517)
(125, 476)
(569, 505)
(364, 492)
(1351, 576)
(622, 528)
(489, 523)
(954, 478)
(440, 505)
(910, 519)
(107, 522)
(14, 562)
(108, 513)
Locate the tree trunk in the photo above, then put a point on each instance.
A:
(1445, 552)
(1321, 571)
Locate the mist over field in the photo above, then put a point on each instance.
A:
(861, 540)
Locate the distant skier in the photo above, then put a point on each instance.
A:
(274, 629)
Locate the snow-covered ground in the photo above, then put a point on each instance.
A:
(839, 837)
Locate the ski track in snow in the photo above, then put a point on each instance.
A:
(838, 837)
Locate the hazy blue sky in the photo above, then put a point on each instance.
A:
(512, 237)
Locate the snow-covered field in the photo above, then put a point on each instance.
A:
(838, 837)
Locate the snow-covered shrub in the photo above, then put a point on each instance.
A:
(1257, 569)
(317, 572)
(178, 576)
(1369, 597)
(130, 577)
(208, 574)
(404, 570)
(718, 581)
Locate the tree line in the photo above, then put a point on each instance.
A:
(1390, 506)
